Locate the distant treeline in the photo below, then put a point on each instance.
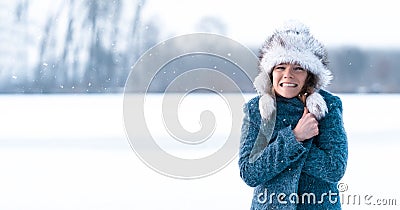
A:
(355, 70)
(366, 71)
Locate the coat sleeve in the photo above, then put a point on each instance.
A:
(327, 158)
(275, 158)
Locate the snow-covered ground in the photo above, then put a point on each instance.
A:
(71, 152)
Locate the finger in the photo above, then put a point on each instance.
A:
(311, 116)
(305, 112)
(316, 131)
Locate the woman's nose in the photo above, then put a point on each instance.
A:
(288, 73)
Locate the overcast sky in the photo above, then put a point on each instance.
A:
(335, 23)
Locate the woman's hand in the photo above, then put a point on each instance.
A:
(307, 127)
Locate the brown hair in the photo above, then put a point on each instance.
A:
(309, 84)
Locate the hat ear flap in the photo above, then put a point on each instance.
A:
(316, 105)
(266, 106)
(263, 85)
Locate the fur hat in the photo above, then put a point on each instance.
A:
(292, 43)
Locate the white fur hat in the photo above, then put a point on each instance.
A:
(292, 43)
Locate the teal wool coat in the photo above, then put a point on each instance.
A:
(290, 174)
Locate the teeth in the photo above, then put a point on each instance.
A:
(288, 85)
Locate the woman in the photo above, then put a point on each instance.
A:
(293, 145)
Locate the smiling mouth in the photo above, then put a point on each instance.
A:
(283, 84)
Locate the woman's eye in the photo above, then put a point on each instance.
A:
(299, 68)
(280, 68)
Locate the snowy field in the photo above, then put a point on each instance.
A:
(71, 152)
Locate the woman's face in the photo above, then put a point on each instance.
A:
(288, 79)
